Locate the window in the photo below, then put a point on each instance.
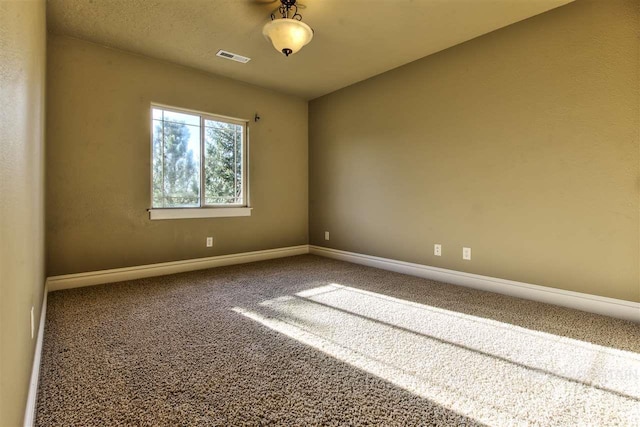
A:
(198, 161)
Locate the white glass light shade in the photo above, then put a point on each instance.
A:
(287, 35)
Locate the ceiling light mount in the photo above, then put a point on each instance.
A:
(288, 34)
(286, 7)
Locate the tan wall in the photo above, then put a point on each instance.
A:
(522, 144)
(98, 161)
(22, 80)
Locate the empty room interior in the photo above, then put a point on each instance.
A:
(319, 212)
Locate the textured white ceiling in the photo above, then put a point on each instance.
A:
(354, 39)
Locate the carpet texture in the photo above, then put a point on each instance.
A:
(312, 341)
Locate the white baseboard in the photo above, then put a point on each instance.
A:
(68, 281)
(622, 309)
(32, 397)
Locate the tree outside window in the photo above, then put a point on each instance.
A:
(182, 143)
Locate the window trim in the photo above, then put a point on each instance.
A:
(186, 213)
(204, 210)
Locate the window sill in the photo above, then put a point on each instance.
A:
(185, 213)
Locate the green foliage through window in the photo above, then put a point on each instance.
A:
(179, 139)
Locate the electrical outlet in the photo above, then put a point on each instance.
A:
(209, 242)
(33, 325)
(466, 254)
(437, 249)
(326, 235)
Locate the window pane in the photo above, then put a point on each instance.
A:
(188, 119)
(157, 114)
(176, 162)
(158, 200)
(223, 163)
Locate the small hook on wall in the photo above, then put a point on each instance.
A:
(256, 118)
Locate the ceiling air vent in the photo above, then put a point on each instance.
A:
(232, 56)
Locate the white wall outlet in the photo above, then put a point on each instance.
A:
(209, 242)
(326, 235)
(437, 249)
(466, 254)
(33, 324)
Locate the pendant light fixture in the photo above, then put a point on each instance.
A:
(288, 34)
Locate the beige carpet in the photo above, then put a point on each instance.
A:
(313, 341)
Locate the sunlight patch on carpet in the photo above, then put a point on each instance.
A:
(490, 371)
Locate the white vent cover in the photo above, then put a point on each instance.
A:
(232, 56)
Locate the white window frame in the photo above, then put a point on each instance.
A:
(204, 210)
